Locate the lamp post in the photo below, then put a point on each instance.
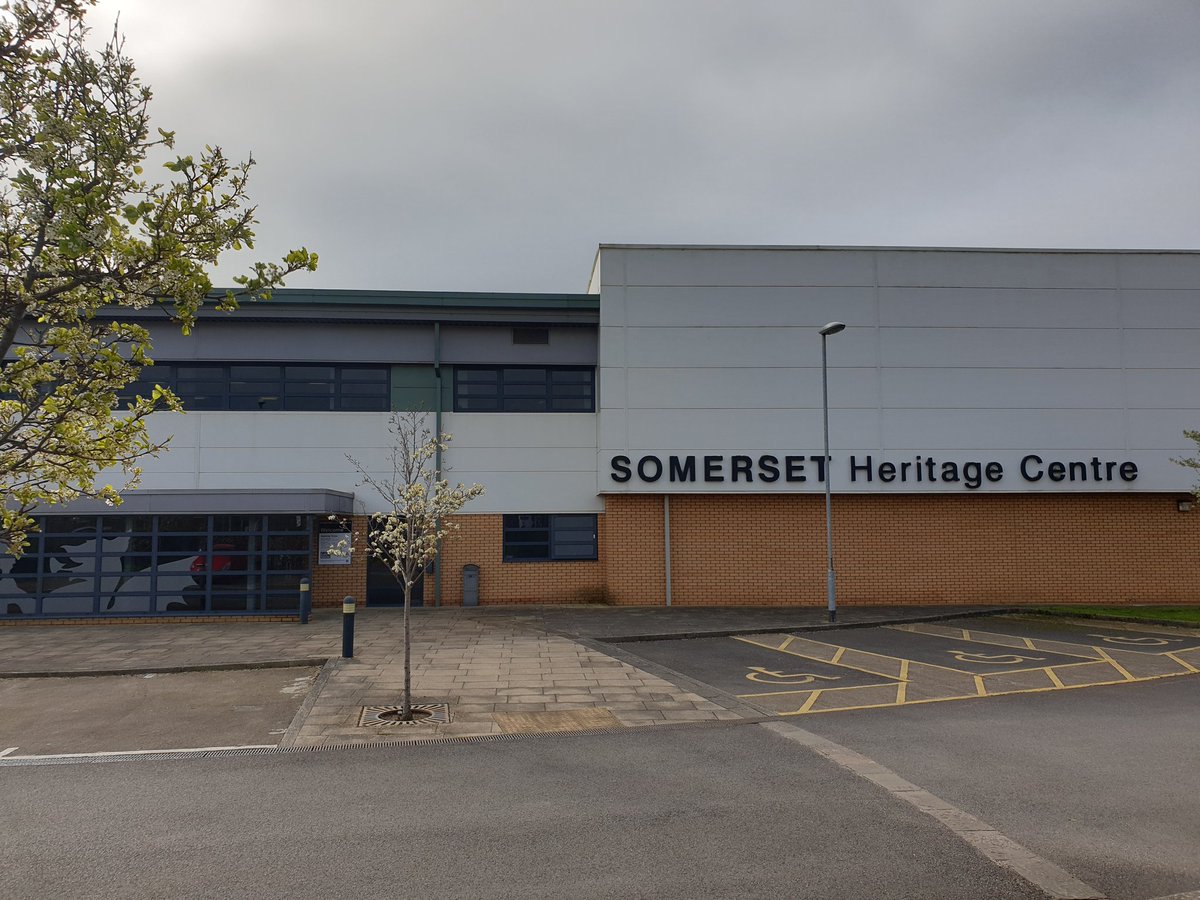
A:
(830, 589)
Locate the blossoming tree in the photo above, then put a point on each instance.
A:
(419, 502)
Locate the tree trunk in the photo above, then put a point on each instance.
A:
(406, 708)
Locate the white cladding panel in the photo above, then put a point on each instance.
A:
(529, 462)
(964, 356)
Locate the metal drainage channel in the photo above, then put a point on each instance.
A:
(446, 742)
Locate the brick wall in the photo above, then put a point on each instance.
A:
(753, 550)
(1010, 549)
(331, 583)
(479, 541)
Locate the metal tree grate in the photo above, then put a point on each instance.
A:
(423, 714)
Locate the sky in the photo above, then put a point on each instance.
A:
(492, 145)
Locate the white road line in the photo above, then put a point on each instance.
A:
(4, 753)
(999, 848)
(104, 753)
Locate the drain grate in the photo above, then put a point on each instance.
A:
(423, 714)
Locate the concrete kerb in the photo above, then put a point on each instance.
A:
(329, 666)
(787, 629)
(303, 662)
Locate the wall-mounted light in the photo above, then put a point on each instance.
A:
(1185, 505)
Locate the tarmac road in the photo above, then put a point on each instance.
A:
(732, 811)
(1104, 781)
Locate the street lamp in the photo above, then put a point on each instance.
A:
(830, 591)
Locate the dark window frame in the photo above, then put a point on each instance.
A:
(522, 532)
(513, 393)
(289, 387)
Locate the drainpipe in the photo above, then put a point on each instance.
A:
(667, 541)
(437, 461)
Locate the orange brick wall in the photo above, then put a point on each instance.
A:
(1009, 549)
(763, 550)
(479, 541)
(331, 583)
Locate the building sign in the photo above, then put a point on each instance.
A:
(334, 544)
(867, 471)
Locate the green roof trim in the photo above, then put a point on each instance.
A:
(427, 299)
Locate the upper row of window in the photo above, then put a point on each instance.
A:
(257, 386)
(364, 388)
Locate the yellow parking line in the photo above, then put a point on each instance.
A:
(904, 670)
(1183, 662)
(848, 687)
(1116, 665)
(1041, 690)
(901, 692)
(1054, 676)
(1029, 643)
(888, 675)
(808, 704)
(840, 652)
(979, 686)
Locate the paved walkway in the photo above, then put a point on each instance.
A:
(499, 669)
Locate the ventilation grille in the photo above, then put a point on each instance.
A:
(531, 335)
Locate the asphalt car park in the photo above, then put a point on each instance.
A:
(898, 665)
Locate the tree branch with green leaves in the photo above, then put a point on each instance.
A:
(86, 235)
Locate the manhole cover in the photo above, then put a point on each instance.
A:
(423, 714)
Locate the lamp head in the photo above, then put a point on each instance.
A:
(833, 328)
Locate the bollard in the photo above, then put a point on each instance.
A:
(347, 627)
(305, 600)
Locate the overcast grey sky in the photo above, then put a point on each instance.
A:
(440, 145)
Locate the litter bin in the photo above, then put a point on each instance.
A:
(470, 585)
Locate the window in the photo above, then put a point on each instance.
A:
(524, 389)
(158, 565)
(258, 386)
(540, 538)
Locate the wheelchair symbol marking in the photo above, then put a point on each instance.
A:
(766, 676)
(993, 659)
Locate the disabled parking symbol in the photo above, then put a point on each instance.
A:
(766, 676)
(993, 659)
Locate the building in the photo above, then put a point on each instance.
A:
(1002, 427)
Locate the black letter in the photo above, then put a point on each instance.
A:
(1056, 471)
(993, 471)
(768, 468)
(973, 474)
(820, 461)
(642, 468)
(855, 467)
(740, 465)
(887, 471)
(793, 468)
(1031, 458)
(620, 465)
(712, 468)
(1128, 471)
(685, 472)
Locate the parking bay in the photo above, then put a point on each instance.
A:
(798, 674)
